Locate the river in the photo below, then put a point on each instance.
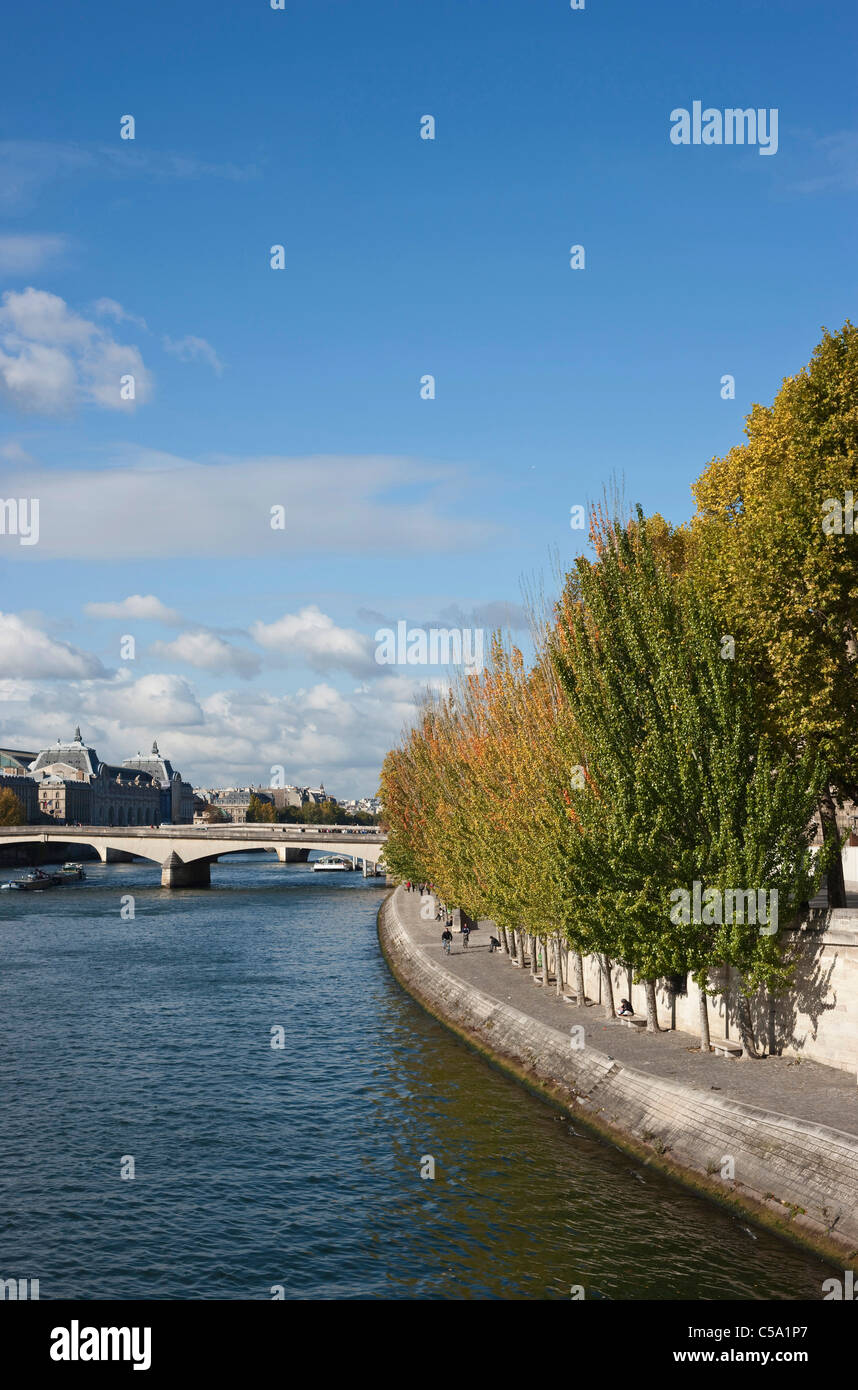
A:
(261, 1169)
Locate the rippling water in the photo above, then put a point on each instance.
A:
(300, 1167)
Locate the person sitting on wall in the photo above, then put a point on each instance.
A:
(494, 944)
(625, 1009)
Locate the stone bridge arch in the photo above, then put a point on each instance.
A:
(185, 853)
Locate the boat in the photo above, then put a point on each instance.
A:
(69, 873)
(329, 864)
(33, 882)
(30, 883)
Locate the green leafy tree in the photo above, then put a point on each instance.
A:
(777, 548)
(681, 783)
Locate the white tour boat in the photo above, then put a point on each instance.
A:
(329, 864)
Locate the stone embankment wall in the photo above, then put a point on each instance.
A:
(817, 1018)
(781, 1163)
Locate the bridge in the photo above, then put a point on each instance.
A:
(186, 852)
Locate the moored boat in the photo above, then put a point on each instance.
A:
(330, 863)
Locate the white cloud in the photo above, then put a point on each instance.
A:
(44, 318)
(103, 366)
(190, 349)
(111, 309)
(154, 702)
(314, 638)
(13, 452)
(20, 255)
(151, 504)
(143, 607)
(27, 653)
(38, 379)
(230, 738)
(208, 652)
(51, 359)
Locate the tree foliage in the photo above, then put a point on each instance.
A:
(768, 550)
(11, 809)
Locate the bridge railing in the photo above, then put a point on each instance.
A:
(251, 830)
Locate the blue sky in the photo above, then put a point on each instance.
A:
(404, 257)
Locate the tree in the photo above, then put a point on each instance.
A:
(260, 810)
(776, 547)
(681, 784)
(11, 810)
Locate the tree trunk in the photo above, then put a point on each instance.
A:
(504, 941)
(607, 987)
(703, 1005)
(533, 966)
(545, 970)
(513, 945)
(828, 821)
(746, 1032)
(558, 964)
(651, 1007)
(578, 965)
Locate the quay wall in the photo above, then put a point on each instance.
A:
(817, 1018)
(800, 1177)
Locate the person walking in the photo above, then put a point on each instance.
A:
(466, 932)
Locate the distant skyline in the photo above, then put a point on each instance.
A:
(404, 258)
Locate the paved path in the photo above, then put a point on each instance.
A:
(822, 1095)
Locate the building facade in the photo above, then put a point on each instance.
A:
(177, 797)
(234, 802)
(73, 786)
(25, 789)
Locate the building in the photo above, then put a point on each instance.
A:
(63, 796)
(370, 804)
(284, 797)
(177, 797)
(25, 789)
(234, 801)
(73, 784)
(15, 763)
(68, 784)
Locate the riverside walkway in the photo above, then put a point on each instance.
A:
(786, 1086)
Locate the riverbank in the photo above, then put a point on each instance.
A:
(794, 1168)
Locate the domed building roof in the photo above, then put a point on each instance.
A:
(75, 754)
(161, 769)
